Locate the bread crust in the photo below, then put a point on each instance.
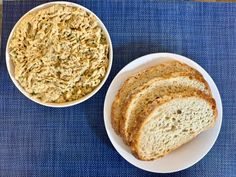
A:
(145, 117)
(117, 105)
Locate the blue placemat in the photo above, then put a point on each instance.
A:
(41, 141)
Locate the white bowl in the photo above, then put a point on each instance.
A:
(185, 156)
(10, 66)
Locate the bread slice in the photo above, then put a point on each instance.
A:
(155, 88)
(139, 79)
(170, 122)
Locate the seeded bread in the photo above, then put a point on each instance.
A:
(139, 79)
(172, 121)
(155, 88)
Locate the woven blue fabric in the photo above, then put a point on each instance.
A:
(41, 141)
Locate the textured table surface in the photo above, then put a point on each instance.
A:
(41, 141)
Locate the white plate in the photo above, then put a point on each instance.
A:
(185, 156)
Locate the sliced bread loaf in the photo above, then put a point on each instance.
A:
(172, 121)
(139, 79)
(155, 88)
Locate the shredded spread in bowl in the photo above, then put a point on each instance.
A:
(60, 53)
